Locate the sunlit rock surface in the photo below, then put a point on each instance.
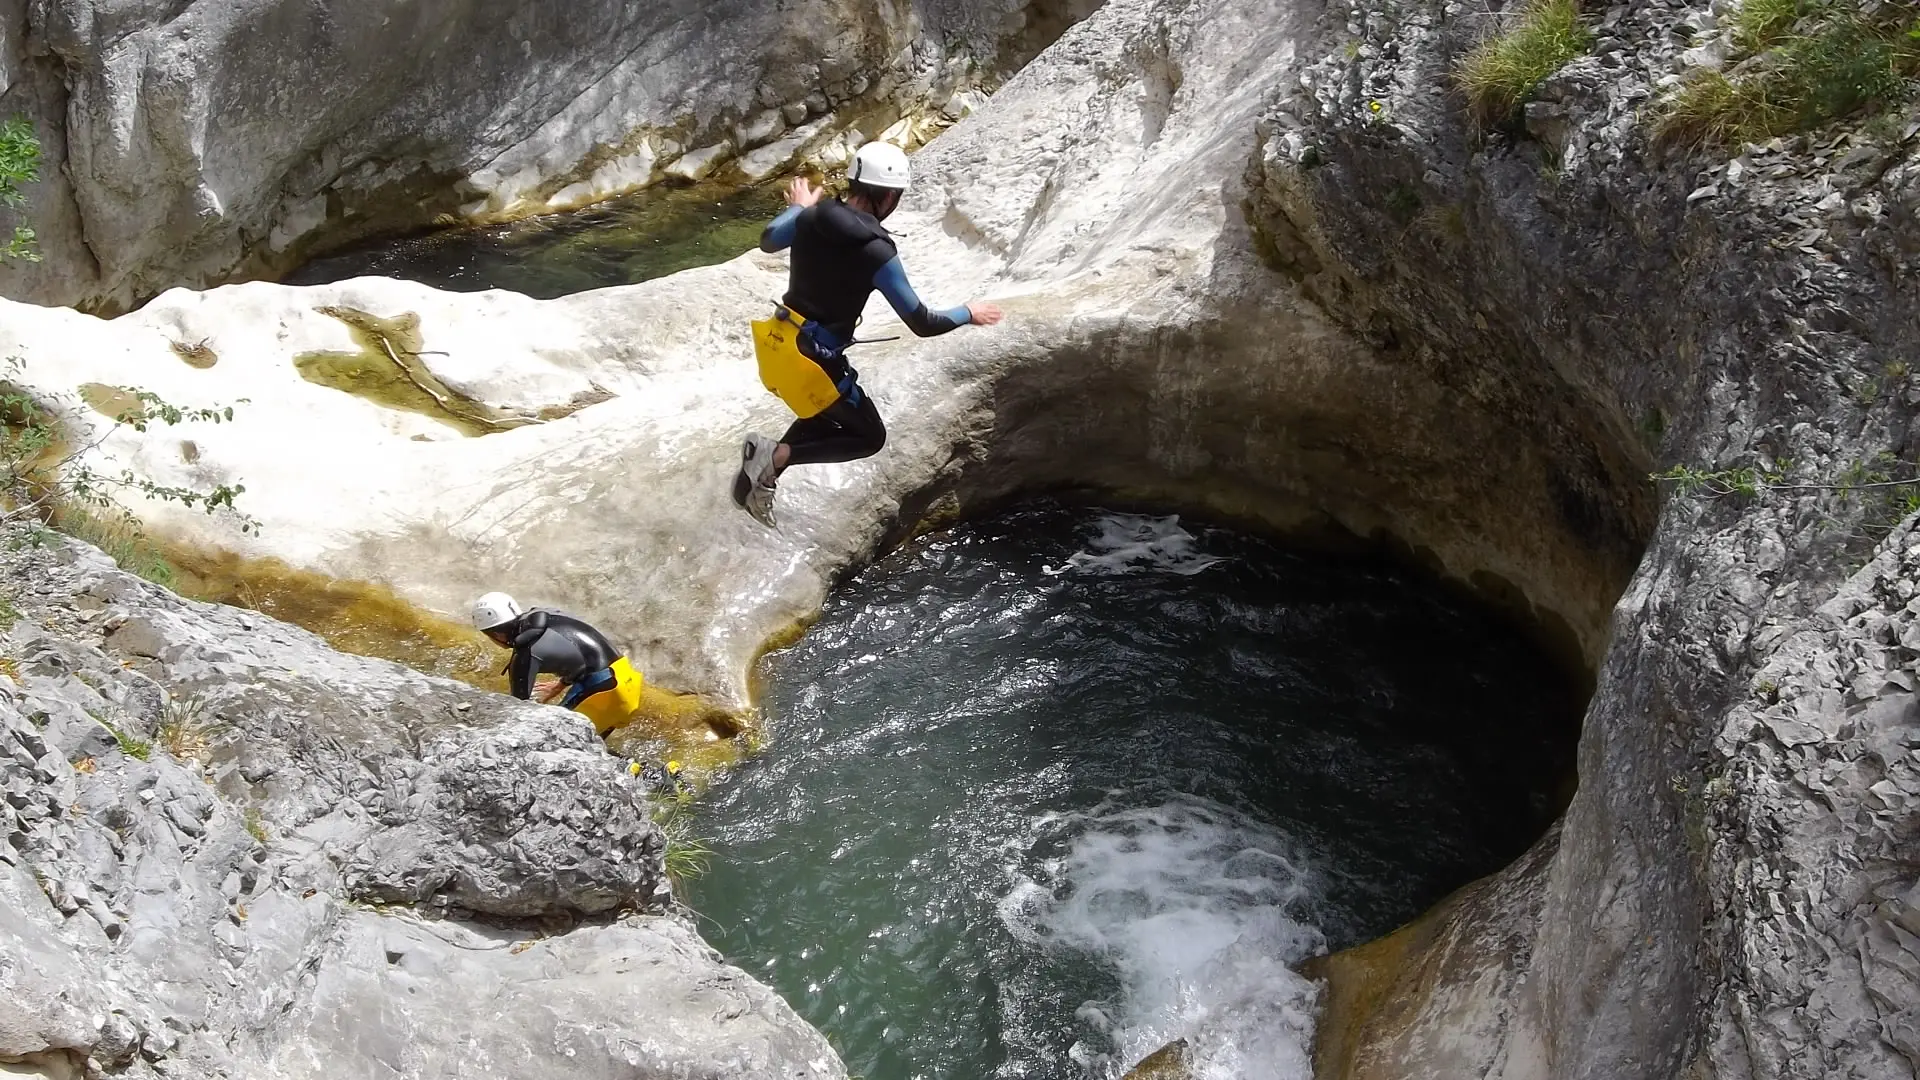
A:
(1147, 350)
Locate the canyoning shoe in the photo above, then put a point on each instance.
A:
(748, 477)
(742, 487)
(760, 503)
(753, 487)
(756, 459)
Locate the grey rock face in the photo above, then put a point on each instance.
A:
(217, 903)
(510, 827)
(1813, 826)
(1724, 899)
(192, 143)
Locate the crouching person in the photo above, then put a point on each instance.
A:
(594, 679)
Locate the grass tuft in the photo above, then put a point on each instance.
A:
(1761, 23)
(138, 749)
(1502, 71)
(256, 827)
(1812, 62)
(117, 533)
(1713, 110)
(688, 857)
(185, 733)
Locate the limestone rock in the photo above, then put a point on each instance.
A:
(1149, 349)
(484, 835)
(1167, 1063)
(197, 142)
(600, 1002)
(1252, 270)
(230, 912)
(1739, 753)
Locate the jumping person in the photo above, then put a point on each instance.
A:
(841, 254)
(598, 682)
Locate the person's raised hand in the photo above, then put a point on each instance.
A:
(982, 313)
(801, 192)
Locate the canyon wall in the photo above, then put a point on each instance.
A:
(188, 144)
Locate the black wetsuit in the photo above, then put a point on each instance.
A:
(555, 644)
(840, 256)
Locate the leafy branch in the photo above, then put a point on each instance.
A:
(19, 164)
(38, 474)
(41, 480)
(1885, 488)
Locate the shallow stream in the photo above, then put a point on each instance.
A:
(1056, 787)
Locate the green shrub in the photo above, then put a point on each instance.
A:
(45, 481)
(19, 164)
(1813, 63)
(1403, 202)
(1502, 71)
(1849, 64)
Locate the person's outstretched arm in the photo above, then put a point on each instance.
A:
(778, 235)
(891, 280)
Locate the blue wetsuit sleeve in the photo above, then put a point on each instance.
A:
(891, 280)
(778, 235)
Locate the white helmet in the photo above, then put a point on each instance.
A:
(880, 164)
(494, 609)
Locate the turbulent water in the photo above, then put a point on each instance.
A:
(654, 233)
(1052, 789)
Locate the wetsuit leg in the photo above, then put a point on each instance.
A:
(842, 431)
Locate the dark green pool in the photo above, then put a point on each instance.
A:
(1051, 789)
(657, 232)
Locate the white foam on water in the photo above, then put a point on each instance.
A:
(1132, 543)
(1191, 903)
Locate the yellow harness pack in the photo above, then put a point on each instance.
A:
(614, 706)
(785, 370)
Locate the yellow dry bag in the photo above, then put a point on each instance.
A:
(793, 378)
(614, 706)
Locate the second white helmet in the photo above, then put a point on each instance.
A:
(494, 609)
(881, 165)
